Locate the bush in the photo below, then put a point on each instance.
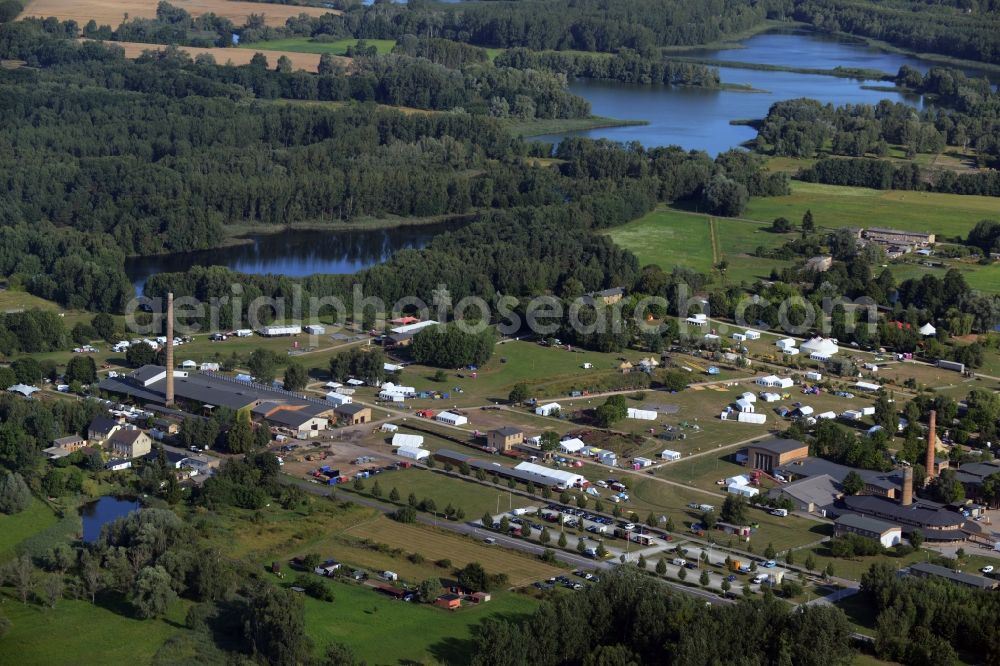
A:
(314, 587)
(15, 496)
(404, 514)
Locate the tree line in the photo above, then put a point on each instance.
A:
(625, 65)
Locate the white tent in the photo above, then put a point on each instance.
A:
(820, 346)
(667, 454)
(770, 397)
(927, 330)
(548, 409)
(745, 406)
(827, 415)
(785, 343)
(413, 453)
(749, 397)
(558, 477)
(571, 445)
(389, 427)
(338, 398)
(641, 414)
(411, 441)
(752, 418)
(752, 334)
(451, 418)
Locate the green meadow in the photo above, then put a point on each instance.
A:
(309, 45)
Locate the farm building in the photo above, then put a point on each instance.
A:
(338, 398)
(571, 445)
(641, 414)
(774, 453)
(785, 344)
(667, 454)
(810, 494)
(548, 409)
(885, 533)
(557, 477)
(451, 418)
(411, 441)
(505, 438)
(449, 601)
(353, 414)
(412, 453)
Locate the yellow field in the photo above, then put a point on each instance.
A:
(305, 61)
(113, 12)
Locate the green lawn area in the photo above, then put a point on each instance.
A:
(669, 237)
(384, 631)
(832, 206)
(18, 527)
(540, 126)
(474, 498)
(308, 45)
(76, 632)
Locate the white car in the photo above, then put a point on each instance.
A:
(988, 569)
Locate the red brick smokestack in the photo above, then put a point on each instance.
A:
(931, 443)
(907, 498)
(170, 351)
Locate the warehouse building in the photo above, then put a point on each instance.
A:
(773, 453)
(885, 533)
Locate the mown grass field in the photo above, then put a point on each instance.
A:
(113, 12)
(832, 206)
(76, 632)
(16, 528)
(540, 126)
(384, 631)
(309, 45)
(668, 237)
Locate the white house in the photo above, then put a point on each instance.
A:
(548, 409)
(785, 343)
(667, 454)
(338, 399)
(767, 396)
(927, 330)
(409, 441)
(413, 453)
(752, 334)
(571, 445)
(451, 418)
(641, 414)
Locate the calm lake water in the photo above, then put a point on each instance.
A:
(699, 119)
(97, 514)
(294, 253)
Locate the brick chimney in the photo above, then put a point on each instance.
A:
(907, 498)
(931, 443)
(170, 351)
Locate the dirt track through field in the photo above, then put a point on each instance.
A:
(113, 12)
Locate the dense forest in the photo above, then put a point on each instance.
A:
(885, 175)
(625, 65)
(634, 619)
(966, 113)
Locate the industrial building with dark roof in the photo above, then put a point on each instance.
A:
(773, 453)
(927, 570)
(934, 521)
(885, 484)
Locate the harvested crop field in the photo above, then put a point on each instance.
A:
(112, 12)
(304, 61)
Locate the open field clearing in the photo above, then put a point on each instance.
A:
(437, 545)
(17, 527)
(308, 62)
(833, 206)
(384, 631)
(668, 238)
(308, 45)
(113, 12)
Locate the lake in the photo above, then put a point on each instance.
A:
(295, 253)
(699, 119)
(101, 512)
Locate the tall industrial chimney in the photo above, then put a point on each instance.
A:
(907, 498)
(931, 443)
(170, 351)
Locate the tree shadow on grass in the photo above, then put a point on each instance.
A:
(459, 651)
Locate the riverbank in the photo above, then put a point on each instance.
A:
(735, 40)
(541, 126)
(944, 60)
